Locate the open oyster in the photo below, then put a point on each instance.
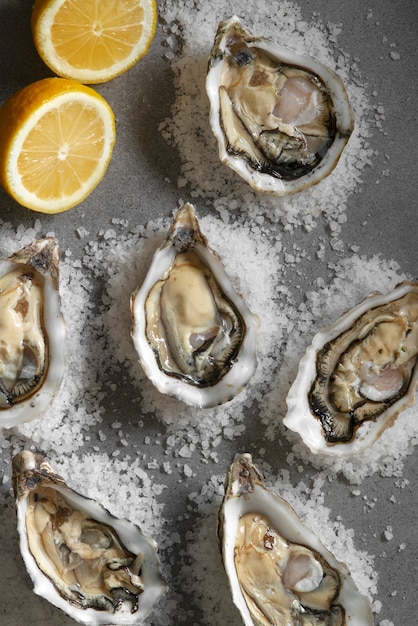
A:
(358, 374)
(195, 337)
(281, 119)
(32, 332)
(95, 567)
(279, 572)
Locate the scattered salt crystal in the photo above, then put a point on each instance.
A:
(169, 41)
(388, 534)
(82, 232)
(228, 433)
(377, 607)
(395, 56)
(118, 221)
(185, 452)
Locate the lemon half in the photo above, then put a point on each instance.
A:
(93, 41)
(56, 141)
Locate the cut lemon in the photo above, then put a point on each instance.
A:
(56, 141)
(93, 41)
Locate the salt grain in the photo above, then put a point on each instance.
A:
(388, 534)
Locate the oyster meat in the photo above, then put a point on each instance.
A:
(281, 120)
(95, 567)
(195, 337)
(279, 572)
(358, 374)
(32, 332)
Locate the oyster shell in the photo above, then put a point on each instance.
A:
(32, 332)
(95, 567)
(281, 119)
(195, 337)
(279, 572)
(358, 374)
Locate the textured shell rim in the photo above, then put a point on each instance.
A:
(345, 119)
(131, 537)
(35, 404)
(286, 521)
(246, 362)
(299, 417)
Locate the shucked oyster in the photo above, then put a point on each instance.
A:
(358, 374)
(194, 335)
(279, 572)
(32, 332)
(281, 119)
(95, 567)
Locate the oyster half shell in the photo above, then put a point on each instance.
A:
(93, 566)
(279, 572)
(32, 332)
(358, 374)
(281, 119)
(195, 337)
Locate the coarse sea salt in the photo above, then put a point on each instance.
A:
(188, 127)
(284, 329)
(353, 279)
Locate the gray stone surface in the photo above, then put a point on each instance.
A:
(141, 184)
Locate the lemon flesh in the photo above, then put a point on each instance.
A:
(56, 141)
(93, 41)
